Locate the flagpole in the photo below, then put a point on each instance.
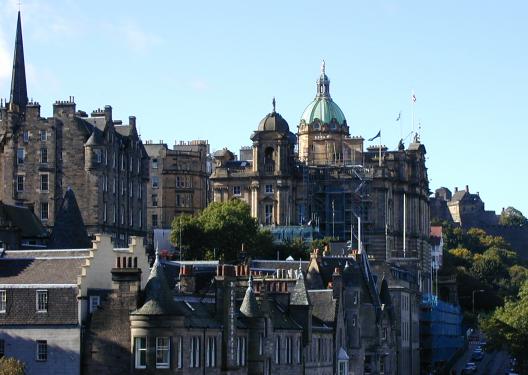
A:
(413, 101)
(380, 150)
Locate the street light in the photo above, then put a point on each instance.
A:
(473, 297)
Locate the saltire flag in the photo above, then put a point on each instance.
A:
(376, 136)
(399, 116)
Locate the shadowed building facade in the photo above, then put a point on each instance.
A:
(101, 159)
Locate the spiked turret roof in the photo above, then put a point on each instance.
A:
(69, 231)
(250, 307)
(299, 295)
(18, 98)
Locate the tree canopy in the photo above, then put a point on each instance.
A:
(11, 366)
(220, 231)
(508, 327)
(512, 216)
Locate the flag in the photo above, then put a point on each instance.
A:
(376, 136)
(399, 116)
(413, 98)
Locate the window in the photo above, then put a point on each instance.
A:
(162, 352)
(42, 300)
(241, 351)
(114, 186)
(299, 350)
(140, 218)
(236, 190)
(154, 200)
(130, 190)
(155, 182)
(114, 158)
(195, 352)
(277, 350)
(342, 367)
(98, 156)
(130, 218)
(261, 343)
(178, 200)
(356, 297)
(210, 359)
(131, 164)
(44, 182)
(180, 352)
(122, 215)
(44, 211)
(105, 183)
(141, 352)
(268, 214)
(123, 162)
(123, 187)
(289, 350)
(43, 135)
(26, 136)
(20, 156)
(269, 188)
(43, 155)
(42, 350)
(20, 182)
(154, 163)
(115, 214)
(179, 182)
(3, 301)
(95, 301)
(2, 348)
(154, 220)
(140, 191)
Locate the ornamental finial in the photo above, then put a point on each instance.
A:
(323, 68)
(273, 103)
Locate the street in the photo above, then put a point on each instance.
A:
(493, 363)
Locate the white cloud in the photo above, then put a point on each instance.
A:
(199, 85)
(138, 40)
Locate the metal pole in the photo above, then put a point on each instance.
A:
(404, 224)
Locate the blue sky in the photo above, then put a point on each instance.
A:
(209, 69)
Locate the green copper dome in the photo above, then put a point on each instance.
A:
(323, 107)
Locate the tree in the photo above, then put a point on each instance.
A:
(11, 366)
(508, 327)
(513, 217)
(193, 238)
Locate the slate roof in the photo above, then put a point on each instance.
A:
(158, 296)
(281, 319)
(40, 271)
(249, 306)
(23, 219)
(124, 130)
(63, 253)
(299, 295)
(69, 231)
(324, 305)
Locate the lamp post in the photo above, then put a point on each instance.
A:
(473, 297)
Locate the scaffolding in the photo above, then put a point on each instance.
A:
(337, 199)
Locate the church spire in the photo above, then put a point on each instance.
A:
(18, 98)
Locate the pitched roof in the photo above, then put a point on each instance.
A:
(69, 231)
(23, 219)
(324, 305)
(40, 271)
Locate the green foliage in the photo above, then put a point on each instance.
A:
(508, 327)
(11, 366)
(321, 243)
(512, 216)
(219, 231)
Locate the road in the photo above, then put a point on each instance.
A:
(494, 363)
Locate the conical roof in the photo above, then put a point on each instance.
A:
(69, 231)
(299, 295)
(250, 307)
(158, 296)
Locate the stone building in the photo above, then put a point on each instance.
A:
(179, 181)
(375, 197)
(47, 296)
(101, 159)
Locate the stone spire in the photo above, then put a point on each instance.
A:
(250, 307)
(299, 295)
(18, 98)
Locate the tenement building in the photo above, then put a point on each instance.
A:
(101, 159)
(179, 181)
(245, 321)
(375, 197)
